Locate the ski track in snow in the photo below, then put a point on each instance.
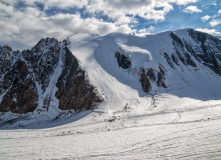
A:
(128, 124)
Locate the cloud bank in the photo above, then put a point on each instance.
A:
(24, 23)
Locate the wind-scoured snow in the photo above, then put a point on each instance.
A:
(182, 121)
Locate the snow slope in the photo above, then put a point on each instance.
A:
(182, 121)
(122, 87)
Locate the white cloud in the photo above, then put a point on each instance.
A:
(205, 18)
(30, 30)
(219, 11)
(114, 9)
(131, 4)
(145, 31)
(192, 9)
(27, 25)
(215, 22)
(209, 31)
(58, 3)
(9, 2)
(117, 10)
(182, 2)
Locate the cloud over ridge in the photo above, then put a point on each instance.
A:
(23, 23)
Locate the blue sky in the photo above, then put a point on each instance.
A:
(24, 23)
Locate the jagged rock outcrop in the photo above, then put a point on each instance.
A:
(40, 77)
(145, 82)
(20, 94)
(175, 60)
(151, 74)
(42, 59)
(122, 60)
(184, 57)
(208, 51)
(161, 78)
(169, 61)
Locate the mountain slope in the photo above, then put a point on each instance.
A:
(133, 75)
(176, 63)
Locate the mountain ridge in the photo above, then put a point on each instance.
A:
(114, 69)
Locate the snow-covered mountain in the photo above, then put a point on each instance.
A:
(45, 79)
(109, 74)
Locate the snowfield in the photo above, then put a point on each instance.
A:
(183, 134)
(182, 121)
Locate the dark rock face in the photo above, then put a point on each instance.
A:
(43, 58)
(209, 50)
(20, 92)
(169, 61)
(122, 60)
(151, 74)
(206, 50)
(7, 58)
(49, 64)
(179, 47)
(175, 60)
(74, 90)
(161, 78)
(145, 82)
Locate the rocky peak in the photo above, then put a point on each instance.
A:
(42, 59)
(45, 44)
(5, 49)
(7, 58)
(45, 76)
(6, 53)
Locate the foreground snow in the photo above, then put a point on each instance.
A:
(193, 132)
